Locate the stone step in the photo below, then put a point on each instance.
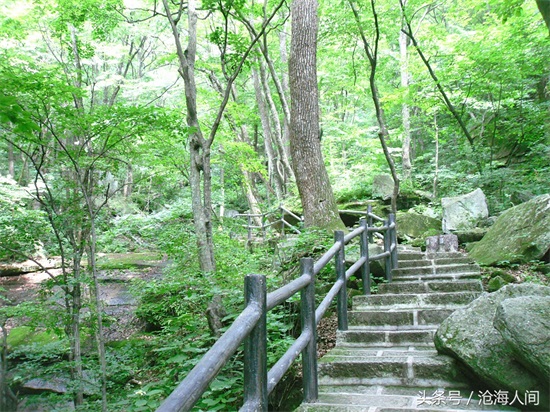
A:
(405, 316)
(398, 369)
(449, 277)
(437, 269)
(410, 255)
(430, 287)
(428, 262)
(363, 337)
(379, 398)
(413, 300)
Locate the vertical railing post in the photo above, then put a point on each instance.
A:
(387, 246)
(255, 348)
(340, 260)
(364, 250)
(369, 221)
(309, 354)
(393, 240)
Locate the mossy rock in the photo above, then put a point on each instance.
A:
(25, 335)
(415, 225)
(507, 277)
(496, 283)
(520, 234)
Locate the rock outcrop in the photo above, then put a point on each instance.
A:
(464, 212)
(524, 323)
(469, 335)
(382, 187)
(415, 225)
(521, 233)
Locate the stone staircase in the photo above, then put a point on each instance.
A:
(386, 361)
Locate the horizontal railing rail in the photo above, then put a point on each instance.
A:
(250, 326)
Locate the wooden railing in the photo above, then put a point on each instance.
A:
(250, 326)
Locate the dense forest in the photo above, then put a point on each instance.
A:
(143, 127)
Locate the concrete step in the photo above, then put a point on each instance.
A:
(437, 269)
(430, 287)
(439, 261)
(410, 255)
(439, 276)
(363, 337)
(400, 317)
(379, 398)
(398, 369)
(413, 300)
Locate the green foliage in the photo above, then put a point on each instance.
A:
(24, 231)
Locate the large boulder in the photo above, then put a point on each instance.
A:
(524, 323)
(382, 187)
(415, 225)
(469, 336)
(521, 233)
(464, 212)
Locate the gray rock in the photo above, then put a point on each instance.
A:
(524, 323)
(471, 235)
(496, 283)
(469, 336)
(36, 385)
(520, 234)
(382, 187)
(464, 212)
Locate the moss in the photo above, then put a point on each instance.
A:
(128, 260)
(25, 335)
(496, 283)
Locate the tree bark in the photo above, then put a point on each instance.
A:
(275, 178)
(544, 8)
(372, 54)
(199, 148)
(405, 112)
(318, 202)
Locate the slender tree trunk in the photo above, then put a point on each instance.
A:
(129, 184)
(372, 54)
(199, 148)
(405, 112)
(436, 172)
(275, 179)
(11, 161)
(318, 202)
(281, 143)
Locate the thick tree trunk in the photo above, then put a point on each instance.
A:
(544, 8)
(318, 202)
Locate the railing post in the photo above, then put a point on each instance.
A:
(255, 348)
(393, 240)
(387, 246)
(309, 354)
(369, 221)
(340, 260)
(364, 250)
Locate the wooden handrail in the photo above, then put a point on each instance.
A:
(250, 327)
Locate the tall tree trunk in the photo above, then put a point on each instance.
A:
(405, 112)
(372, 54)
(275, 178)
(318, 202)
(11, 161)
(544, 8)
(281, 143)
(199, 148)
